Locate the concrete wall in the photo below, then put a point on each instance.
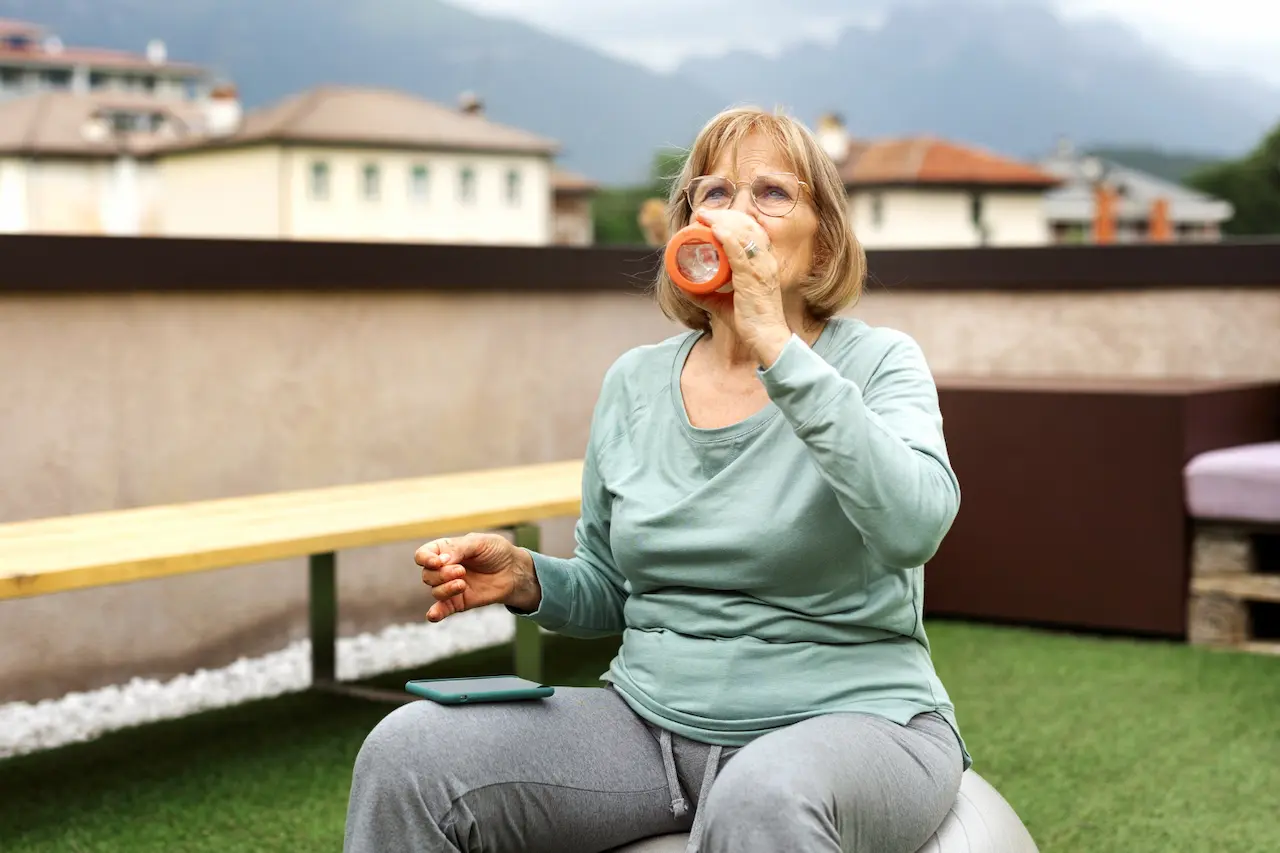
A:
(120, 401)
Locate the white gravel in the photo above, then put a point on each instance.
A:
(28, 727)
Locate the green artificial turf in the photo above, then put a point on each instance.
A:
(1102, 746)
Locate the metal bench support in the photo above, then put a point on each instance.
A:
(324, 628)
(528, 643)
(324, 619)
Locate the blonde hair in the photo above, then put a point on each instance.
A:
(839, 264)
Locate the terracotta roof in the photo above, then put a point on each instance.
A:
(338, 115)
(93, 57)
(929, 161)
(10, 27)
(55, 123)
(571, 182)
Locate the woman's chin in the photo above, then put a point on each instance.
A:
(717, 301)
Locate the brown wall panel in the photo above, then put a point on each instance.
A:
(1072, 510)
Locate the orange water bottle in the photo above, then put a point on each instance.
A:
(695, 261)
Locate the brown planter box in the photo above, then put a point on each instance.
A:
(1072, 511)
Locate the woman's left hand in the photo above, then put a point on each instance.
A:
(758, 314)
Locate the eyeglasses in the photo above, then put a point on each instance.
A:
(773, 195)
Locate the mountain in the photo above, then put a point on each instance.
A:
(1173, 166)
(610, 116)
(1009, 76)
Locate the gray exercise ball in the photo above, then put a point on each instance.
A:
(980, 821)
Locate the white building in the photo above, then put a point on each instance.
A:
(339, 163)
(84, 163)
(1136, 200)
(33, 60)
(333, 163)
(924, 192)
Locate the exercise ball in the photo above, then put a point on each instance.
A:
(980, 821)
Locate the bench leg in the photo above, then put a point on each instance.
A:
(324, 619)
(528, 645)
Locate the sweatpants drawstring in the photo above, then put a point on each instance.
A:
(678, 804)
(695, 832)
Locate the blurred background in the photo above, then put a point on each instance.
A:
(1171, 105)
(249, 247)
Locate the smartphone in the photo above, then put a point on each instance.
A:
(485, 688)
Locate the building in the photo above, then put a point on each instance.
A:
(574, 221)
(84, 163)
(1103, 201)
(34, 61)
(333, 163)
(346, 163)
(923, 192)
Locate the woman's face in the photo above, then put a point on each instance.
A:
(793, 235)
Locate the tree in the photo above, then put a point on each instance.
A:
(616, 209)
(1251, 184)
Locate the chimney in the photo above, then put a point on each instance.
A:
(1160, 229)
(470, 104)
(157, 52)
(833, 137)
(1104, 217)
(222, 112)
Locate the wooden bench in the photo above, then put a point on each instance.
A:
(51, 555)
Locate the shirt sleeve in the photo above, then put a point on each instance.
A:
(879, 447)
(583, 596)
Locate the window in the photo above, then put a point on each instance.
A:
(56, 78)
(467, 185)
(976, 208)
(513, 188)
(371, 182)
(10, 78)
(320, 180)
(418, 182)
(877, 209)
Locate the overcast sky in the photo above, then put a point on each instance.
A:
(1224, 35)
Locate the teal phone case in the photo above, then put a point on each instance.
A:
(439, 690)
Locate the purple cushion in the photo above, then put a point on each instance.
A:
(1235, 483)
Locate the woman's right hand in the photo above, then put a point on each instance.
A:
(476, 570)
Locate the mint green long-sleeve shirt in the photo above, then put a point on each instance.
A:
(772, 570)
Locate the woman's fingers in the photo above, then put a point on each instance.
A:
(440, 610)
(440, 552)
(450, 572)
(449, 590)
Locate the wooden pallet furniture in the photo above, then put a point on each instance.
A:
(51, 555)
(1233, 498)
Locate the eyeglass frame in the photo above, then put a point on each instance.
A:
(802, 185)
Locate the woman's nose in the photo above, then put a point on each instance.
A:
(742, 201)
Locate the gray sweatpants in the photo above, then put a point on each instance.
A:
(580, 772)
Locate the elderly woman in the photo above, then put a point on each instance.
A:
(759, 496)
